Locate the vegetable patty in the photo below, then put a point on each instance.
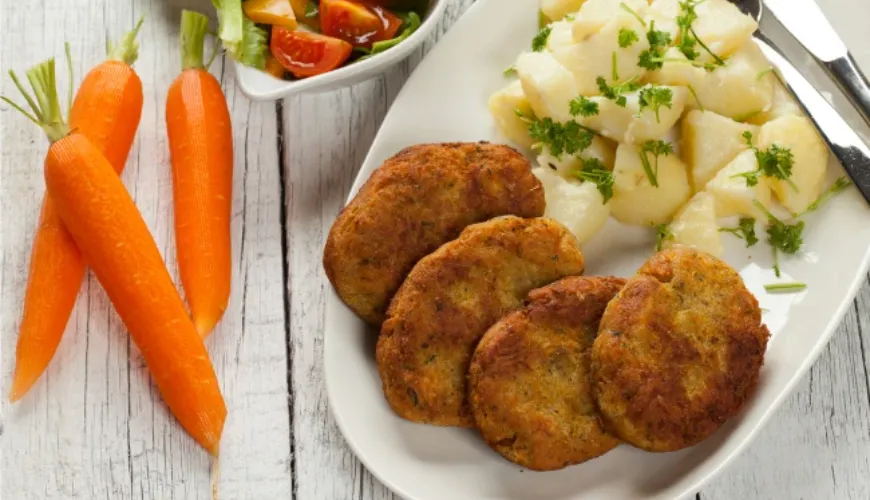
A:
(417, 200)
(678, 351)
(451, 298)
(529, 384)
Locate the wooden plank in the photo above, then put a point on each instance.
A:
(326, 139)
(96, 428)
(818, 443)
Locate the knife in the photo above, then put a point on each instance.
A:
(847, 147)
(808, 24)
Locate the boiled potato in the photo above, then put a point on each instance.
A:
(600, 149)
(635, 200)
(547, 84)
(629, 124)
(593, 57)
(810, 160)
(738, 90)
(722, 28)
(503, 105)
(695, 226)
(664, 13)
(594, 14)
(560, 36)
(576, 205)
(733, 196)
(710, 142)
(782, 104)
(555, 10)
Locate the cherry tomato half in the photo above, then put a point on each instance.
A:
(358, 23)
(308, 54)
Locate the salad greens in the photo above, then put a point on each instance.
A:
(243, 40)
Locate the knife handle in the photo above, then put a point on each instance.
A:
(852, 81)
(847, 147)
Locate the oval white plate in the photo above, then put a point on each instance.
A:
(445, 100)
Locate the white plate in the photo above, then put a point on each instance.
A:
(445, 100)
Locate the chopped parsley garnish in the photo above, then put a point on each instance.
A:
(627, 37)
(615, 92)
(659, 41)
(785, 287)
(774, 161)
(839, 185)
(559, 138)
(570, 17)
(583, 106)
(539, 43)
(656, 148)
(745, 230)
(763, 73)
(311, 10)
(614, 74)
(688, 39)
(625, 7)
(663, 234)
(595, 171)
(782, 237)
(510, 71)
(654, 97)
(697, 100)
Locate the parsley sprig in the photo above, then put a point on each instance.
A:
(615, 92)
(656, 148)
(745, 230)
(838, 185)
(627, 37)
(774, 161)
(559, 138)
(583, 106)
(593, 170)
(654, 97)
(688, 38)
(539, 43)
(785, 287)
(659, 41)
(663, 234)
(781, 236)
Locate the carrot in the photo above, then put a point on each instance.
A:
(106, 109)
(114, 240)
(201, 151)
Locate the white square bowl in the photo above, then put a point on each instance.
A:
(261, 86)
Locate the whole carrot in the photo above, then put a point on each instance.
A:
(114, 240)
(106, 109)
(201, 151)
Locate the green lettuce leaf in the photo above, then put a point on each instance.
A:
(243, 40)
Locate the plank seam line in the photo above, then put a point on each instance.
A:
(285, 275)
(863, 349)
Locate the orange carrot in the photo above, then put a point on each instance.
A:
(106, 109)
(114, 240)
(201, 150)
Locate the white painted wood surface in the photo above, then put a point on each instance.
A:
(95, 428)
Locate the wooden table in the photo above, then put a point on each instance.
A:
(94, 427)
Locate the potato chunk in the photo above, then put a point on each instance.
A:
(810, 160)
(710, 142)
(733, 195)
(635, 200)
(555, 10)
(503, 105)
(576, 205)
(695, 226)
(629, 124)
(547, 84)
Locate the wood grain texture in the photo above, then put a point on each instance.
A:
(95, 428)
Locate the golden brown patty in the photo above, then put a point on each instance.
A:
(529, 384)
(451, 298)
(417, 200)
(678, 352)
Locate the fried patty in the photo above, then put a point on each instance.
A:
(529, 384)
(678, 351)
(451, 298)
(419, 199)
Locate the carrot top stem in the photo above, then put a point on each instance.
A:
(194, 27)
(126, 49)
(44, 102)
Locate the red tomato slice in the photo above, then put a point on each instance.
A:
(308, 54)
(358, 23)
